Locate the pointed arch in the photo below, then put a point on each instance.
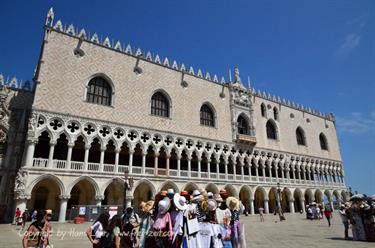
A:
(89, 179)
(208, 115)
(44, 177)
(160, 103)
(271, 130)
(300, 136)
(99, 89)
(323, 142)
(169, 185)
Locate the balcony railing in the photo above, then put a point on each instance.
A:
(150, 171)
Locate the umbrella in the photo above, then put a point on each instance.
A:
(357, 197)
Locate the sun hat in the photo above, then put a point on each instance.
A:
(196, 195)
(212, 205)
(49, 211)
(233, 203)
(163, 205)
(210, 195)
(180, 202)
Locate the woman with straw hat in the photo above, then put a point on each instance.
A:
(234, 206)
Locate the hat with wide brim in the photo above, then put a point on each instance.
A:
(233, 203)
(180, 202)
(196, 196)
(224, 194)
(357, 197)
(163, 205)
(212, 205)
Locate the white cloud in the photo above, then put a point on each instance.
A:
(356, 123)
(350, 42)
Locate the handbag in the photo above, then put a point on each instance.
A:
(192, 226)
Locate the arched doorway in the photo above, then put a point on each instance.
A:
(45, 195)
(190, 187)
(144, 191)
(309, 198)
(212, 188)
(169, 185)
(336, 200)
(82, 193)
(259, 197)
(272, 200)
(231, 190)
(285, 196)
(114, 193)
(297, 195)
(319, 198)
(245, 196)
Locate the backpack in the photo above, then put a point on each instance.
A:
(106, 241)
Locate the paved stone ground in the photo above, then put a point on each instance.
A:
(295, 232)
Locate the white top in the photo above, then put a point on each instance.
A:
(98, 229)
(220, 214)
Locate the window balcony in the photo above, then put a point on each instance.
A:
(246, 139)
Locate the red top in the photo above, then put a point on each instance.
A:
(328, 213)
(18, 213)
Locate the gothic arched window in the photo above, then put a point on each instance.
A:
(323, 142)
(159, 105)
(99, 91)
(207, 116)
(275, 114)
(271, 130)
(263, 109)
(300, 135)
(242, 125)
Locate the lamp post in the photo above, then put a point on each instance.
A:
(128, 185)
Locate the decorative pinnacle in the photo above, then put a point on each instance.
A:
(50, 16)
(237, 78)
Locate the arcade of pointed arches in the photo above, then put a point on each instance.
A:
(49, 192)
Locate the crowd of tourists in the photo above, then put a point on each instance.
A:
(202, 219)
(359, 214)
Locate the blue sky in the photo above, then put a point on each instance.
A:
(317, 53)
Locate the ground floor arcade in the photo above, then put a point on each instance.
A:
(61, 192)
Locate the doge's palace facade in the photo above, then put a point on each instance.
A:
(101, 108)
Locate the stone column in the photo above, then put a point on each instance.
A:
(167, 164)
(331, 204)
(156, 160)
(270, 172)
(294, 174)
(291, 206)
(63, 205)
(303, 205)
(276, 173)
(117, 158)
(144, 154)
(287, 175)
(234, 170)
(178, 165)
(199, 167)
(98, 200)
(208, 168)
(217, 170)
(282, 173)
(69, 155)
(242, 172)
(30, 153)
(50, 155)
(21, 201)
(101, 165)
(257, 173)
(266, 207)
(308, 175)
(86, 159)
(131, 153)
(226, 169)
(189, 166)
(252, 209)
